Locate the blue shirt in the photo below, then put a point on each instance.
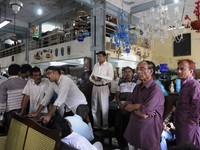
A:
(162, 87)
(80, 127)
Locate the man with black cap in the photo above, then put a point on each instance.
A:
(102, 75)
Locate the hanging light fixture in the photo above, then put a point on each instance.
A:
(122, 37)
(16, 5)
(194, 25)
(159, 24)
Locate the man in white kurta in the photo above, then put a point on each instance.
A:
(102, 74)
(34, 91)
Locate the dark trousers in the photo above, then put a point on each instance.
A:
(121, 122)
(7, 118)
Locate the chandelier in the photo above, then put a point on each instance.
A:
(158, 24)
(195, 25)
(122, 37)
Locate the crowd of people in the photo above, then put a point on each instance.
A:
(145, 116)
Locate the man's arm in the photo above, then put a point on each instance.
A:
(48, 116)
(132, 107)
(37, 112)
(168, 106)
(24, 104)
(138, 113)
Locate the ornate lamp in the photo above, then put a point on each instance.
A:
(122, 36)
(16, 5)
(194, 25)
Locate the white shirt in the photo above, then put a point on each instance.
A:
(77, 141)
(2, 79)
(106, 69)
(36, 94)
(80, 127)
(114, 84)
(68, 94)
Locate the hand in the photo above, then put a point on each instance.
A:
(165, 128)
(172, 126)
(145, 116)
(154, 113)
(191, 121)
(32, 115)
(1, 123)
(46, 119)
(121, 107)
(88, 119)
(114, 100)
(98, 79)
(20, 113)
(93, 77)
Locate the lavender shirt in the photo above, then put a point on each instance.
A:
(146, 133)
(188, 106)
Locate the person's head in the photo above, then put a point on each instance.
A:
(86, 75)
(186, 146)
(35, 74)
(123, 73)
(101, 56)
(53, 73)
(14, 69)
(82, 110)
(185, 69)
(25, 69)
(115, 74)
(62, 70)
(128, 73)
(60, 124)
(144, 70)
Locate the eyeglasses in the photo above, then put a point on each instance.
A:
(142, 69)
(48, 73)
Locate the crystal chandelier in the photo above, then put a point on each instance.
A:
(195, 25)
(122, 37)
(158, 25)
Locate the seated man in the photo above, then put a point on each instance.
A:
(34, 91)
(81, 123)
(71, 138)
(168, 132)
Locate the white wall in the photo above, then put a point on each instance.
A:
(78, 50)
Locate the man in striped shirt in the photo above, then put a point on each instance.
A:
(11, 95)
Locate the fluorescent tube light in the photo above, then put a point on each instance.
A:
(5, 22)
(57, 63)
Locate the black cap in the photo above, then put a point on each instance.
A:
(101, 52)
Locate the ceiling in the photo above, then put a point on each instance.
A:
(28, 13)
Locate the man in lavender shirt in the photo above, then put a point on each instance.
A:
(146, 105)
(187, 113)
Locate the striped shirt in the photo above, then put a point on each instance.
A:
(11, 94)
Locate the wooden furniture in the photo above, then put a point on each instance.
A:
(26, 134)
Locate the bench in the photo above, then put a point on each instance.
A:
(26, 134)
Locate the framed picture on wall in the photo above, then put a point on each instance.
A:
(184, 47)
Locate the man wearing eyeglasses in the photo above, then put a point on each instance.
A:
(187, 113)
(68, 94)
(146, 104)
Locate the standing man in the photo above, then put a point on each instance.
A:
(113, 86)
(146, 105)
(11, 95)
(34, 91)
(124, 89)
(187, 113)
(25, 71)
(102, 75)
(68, 94)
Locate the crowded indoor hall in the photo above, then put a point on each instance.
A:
(99, 75)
